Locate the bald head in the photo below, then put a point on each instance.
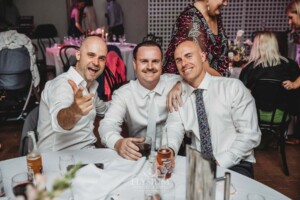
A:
(93, 40)
(91, 58)
(189, 59)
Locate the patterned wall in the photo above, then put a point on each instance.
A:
(248, 15)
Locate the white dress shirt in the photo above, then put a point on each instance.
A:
(58, 94)
(231, 115)
(130, 104)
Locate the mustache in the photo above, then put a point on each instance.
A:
(150, 70)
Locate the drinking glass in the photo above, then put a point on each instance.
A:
(64, 162)
(145, 146)
(19, 183)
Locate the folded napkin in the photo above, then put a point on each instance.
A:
(93, 183)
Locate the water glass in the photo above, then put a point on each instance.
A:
(64, 162)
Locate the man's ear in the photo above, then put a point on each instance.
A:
(134, 64)
(77, 54)
(203, 56)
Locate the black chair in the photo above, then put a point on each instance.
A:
(67, 56)
(30, 124)
(152, 37)
(16, 86)
(273, 104)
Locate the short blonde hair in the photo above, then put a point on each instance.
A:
(265, 50)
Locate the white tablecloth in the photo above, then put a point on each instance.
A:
(52, 58)
(129, 190)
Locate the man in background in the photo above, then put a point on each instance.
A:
(114, 14)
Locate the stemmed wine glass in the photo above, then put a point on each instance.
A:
(64, 162)
(19, 183)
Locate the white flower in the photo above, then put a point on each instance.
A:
(248, 42)
(238, 38)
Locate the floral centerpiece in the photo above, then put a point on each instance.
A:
(237, 51)
(38, 191)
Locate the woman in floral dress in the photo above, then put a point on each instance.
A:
(202, 22)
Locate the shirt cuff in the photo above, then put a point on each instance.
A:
(112, 140)
(227, 159)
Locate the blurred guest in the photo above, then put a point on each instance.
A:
(89, 17)
(293, 13)
(132, 103)
(75, 29)
(219, 114)
(114, 14)
(68, 104)
(265, 62)
(203, 22)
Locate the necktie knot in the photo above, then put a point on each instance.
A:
(198, 92)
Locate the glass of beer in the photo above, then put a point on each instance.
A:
(145, 146)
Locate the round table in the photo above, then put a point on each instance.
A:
(128, 190)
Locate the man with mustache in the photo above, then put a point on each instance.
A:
(219, 114)
(131, 103)
(69, 102)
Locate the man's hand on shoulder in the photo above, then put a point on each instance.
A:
(127, 149)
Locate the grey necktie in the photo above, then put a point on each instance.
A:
(152, 116)
(205, 138)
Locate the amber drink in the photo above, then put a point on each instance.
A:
(34, 159)
(164, 161)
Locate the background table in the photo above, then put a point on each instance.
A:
(53, 58)
(242, 184)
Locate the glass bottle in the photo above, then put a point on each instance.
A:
(164, 157)
(34, 158)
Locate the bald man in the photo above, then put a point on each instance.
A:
(231, 117)
(69, 102)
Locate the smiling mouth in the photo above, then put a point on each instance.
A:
(93, 70)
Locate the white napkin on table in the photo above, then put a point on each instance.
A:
(92, 183)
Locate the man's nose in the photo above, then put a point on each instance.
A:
(96, 61)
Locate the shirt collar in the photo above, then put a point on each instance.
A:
(203, 85)
(79, 81)
(144, 92)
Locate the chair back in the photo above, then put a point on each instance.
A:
(30, 124)
(272, 102)
(114, 75)
(67, 56)
(152, 37)
(45, 34)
